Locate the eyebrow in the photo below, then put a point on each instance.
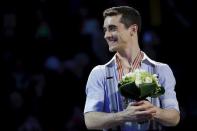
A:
(109, 27)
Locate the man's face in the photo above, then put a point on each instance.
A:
(116, 35)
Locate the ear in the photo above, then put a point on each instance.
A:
(133, 29)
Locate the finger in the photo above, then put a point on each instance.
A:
(154, 115)
(144, 106)
(146, 112)
(147, 102)
(133, 104)
(136, 103)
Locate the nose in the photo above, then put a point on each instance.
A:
(107, 34)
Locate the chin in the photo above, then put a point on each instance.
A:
(112, 50)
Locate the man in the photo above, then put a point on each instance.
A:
(104, 108)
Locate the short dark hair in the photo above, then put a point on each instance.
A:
(129, 15)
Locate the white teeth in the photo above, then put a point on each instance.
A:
(112, 39)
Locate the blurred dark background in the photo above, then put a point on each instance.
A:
(48, 48)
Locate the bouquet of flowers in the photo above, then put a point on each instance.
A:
(139, 85)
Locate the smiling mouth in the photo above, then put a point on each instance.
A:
(112, 40)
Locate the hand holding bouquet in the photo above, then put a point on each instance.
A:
(139, 85)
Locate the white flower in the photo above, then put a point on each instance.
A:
(140, 76)
(145, 82)
(148, 80)
(138, 81)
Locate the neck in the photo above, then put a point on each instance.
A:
(129, 53)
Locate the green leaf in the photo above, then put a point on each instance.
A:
(147, 89)
(161, 92)
(130, 90)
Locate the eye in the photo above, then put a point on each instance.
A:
(112, 28)
(104, 30)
